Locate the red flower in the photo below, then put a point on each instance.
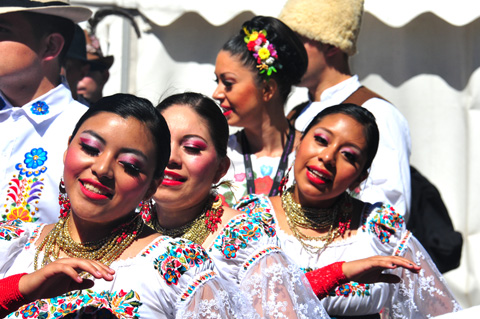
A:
(263, 185)
(129, 311)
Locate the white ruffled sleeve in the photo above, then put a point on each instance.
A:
(277, 288)
(422, 295)
(216, 299)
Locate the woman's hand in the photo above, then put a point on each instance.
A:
(369, 270)
(62, 276)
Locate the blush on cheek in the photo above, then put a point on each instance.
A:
(72, 159)
(204, 165)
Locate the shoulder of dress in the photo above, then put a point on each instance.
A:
(244, 232)
(174, 257)
(383, 221)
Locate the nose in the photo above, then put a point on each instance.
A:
(174, 162)
(103, 166)
(218, 93)
(327, 156)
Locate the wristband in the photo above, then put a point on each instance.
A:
(325, 279)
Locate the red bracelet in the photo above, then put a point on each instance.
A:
(10, 297)
(326, 279)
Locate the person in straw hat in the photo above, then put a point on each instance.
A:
(329, 30)
(37, 111)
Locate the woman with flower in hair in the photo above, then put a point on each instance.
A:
(255, 71)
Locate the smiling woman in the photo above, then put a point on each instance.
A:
(115, 159)
(316, 222)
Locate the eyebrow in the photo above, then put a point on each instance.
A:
(122, 150)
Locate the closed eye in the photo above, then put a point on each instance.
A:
(352, 158)
(192, 150)
(131, 169)
(90, 150)
(320, 139)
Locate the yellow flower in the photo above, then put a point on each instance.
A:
(264, 53)
(254, 36)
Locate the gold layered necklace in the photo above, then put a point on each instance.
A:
(199, 228)
(336, 219)
(105, 250)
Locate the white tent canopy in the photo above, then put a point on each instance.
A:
(424, 56)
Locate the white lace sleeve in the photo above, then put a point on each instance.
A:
(422, 295)
(277, 288)
(216, 299)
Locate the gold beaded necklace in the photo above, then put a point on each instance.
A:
(198, 229)
(318, 219)
(106, 250)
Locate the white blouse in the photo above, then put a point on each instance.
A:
(382, 232)
(170, 278)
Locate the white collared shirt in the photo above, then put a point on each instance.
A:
(33, 140)
(389, 178)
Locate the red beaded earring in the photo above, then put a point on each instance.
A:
(63, 200)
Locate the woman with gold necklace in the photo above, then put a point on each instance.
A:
(244, 248)
(115, 159)
(317, 223)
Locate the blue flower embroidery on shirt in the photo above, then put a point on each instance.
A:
(35, 158)
(266, 170)
(39, 108)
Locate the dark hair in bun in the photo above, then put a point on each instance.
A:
(290, 50)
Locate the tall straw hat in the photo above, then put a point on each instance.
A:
(60, 8)
(335, 22)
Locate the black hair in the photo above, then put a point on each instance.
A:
(209, 111)
(291, 52)
(362, 116)
(46, 24)
(127, 105)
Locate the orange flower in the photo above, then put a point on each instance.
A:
(19, 213)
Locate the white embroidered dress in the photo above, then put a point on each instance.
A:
(170, 278)
(382, 232)
(246, 253)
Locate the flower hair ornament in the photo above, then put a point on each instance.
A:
(263, 51)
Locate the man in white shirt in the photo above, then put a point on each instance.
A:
(329, 31)
(37, 112)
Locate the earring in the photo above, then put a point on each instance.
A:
(355, 192)
(283, 183)
(145, 209)
(63, 199)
